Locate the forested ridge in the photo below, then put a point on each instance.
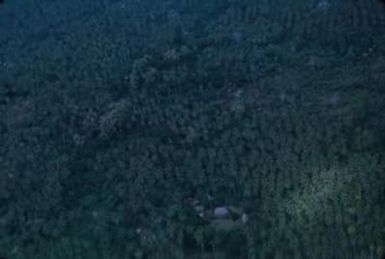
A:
(134, 129)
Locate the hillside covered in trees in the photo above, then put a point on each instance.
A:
(192, 129)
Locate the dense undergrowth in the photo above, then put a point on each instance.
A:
(116, 113)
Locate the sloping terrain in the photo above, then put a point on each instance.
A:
(116, 114)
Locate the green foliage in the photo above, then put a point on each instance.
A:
(115, 114)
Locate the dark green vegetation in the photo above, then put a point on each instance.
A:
(115, 113)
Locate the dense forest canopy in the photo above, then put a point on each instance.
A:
(192, 129)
